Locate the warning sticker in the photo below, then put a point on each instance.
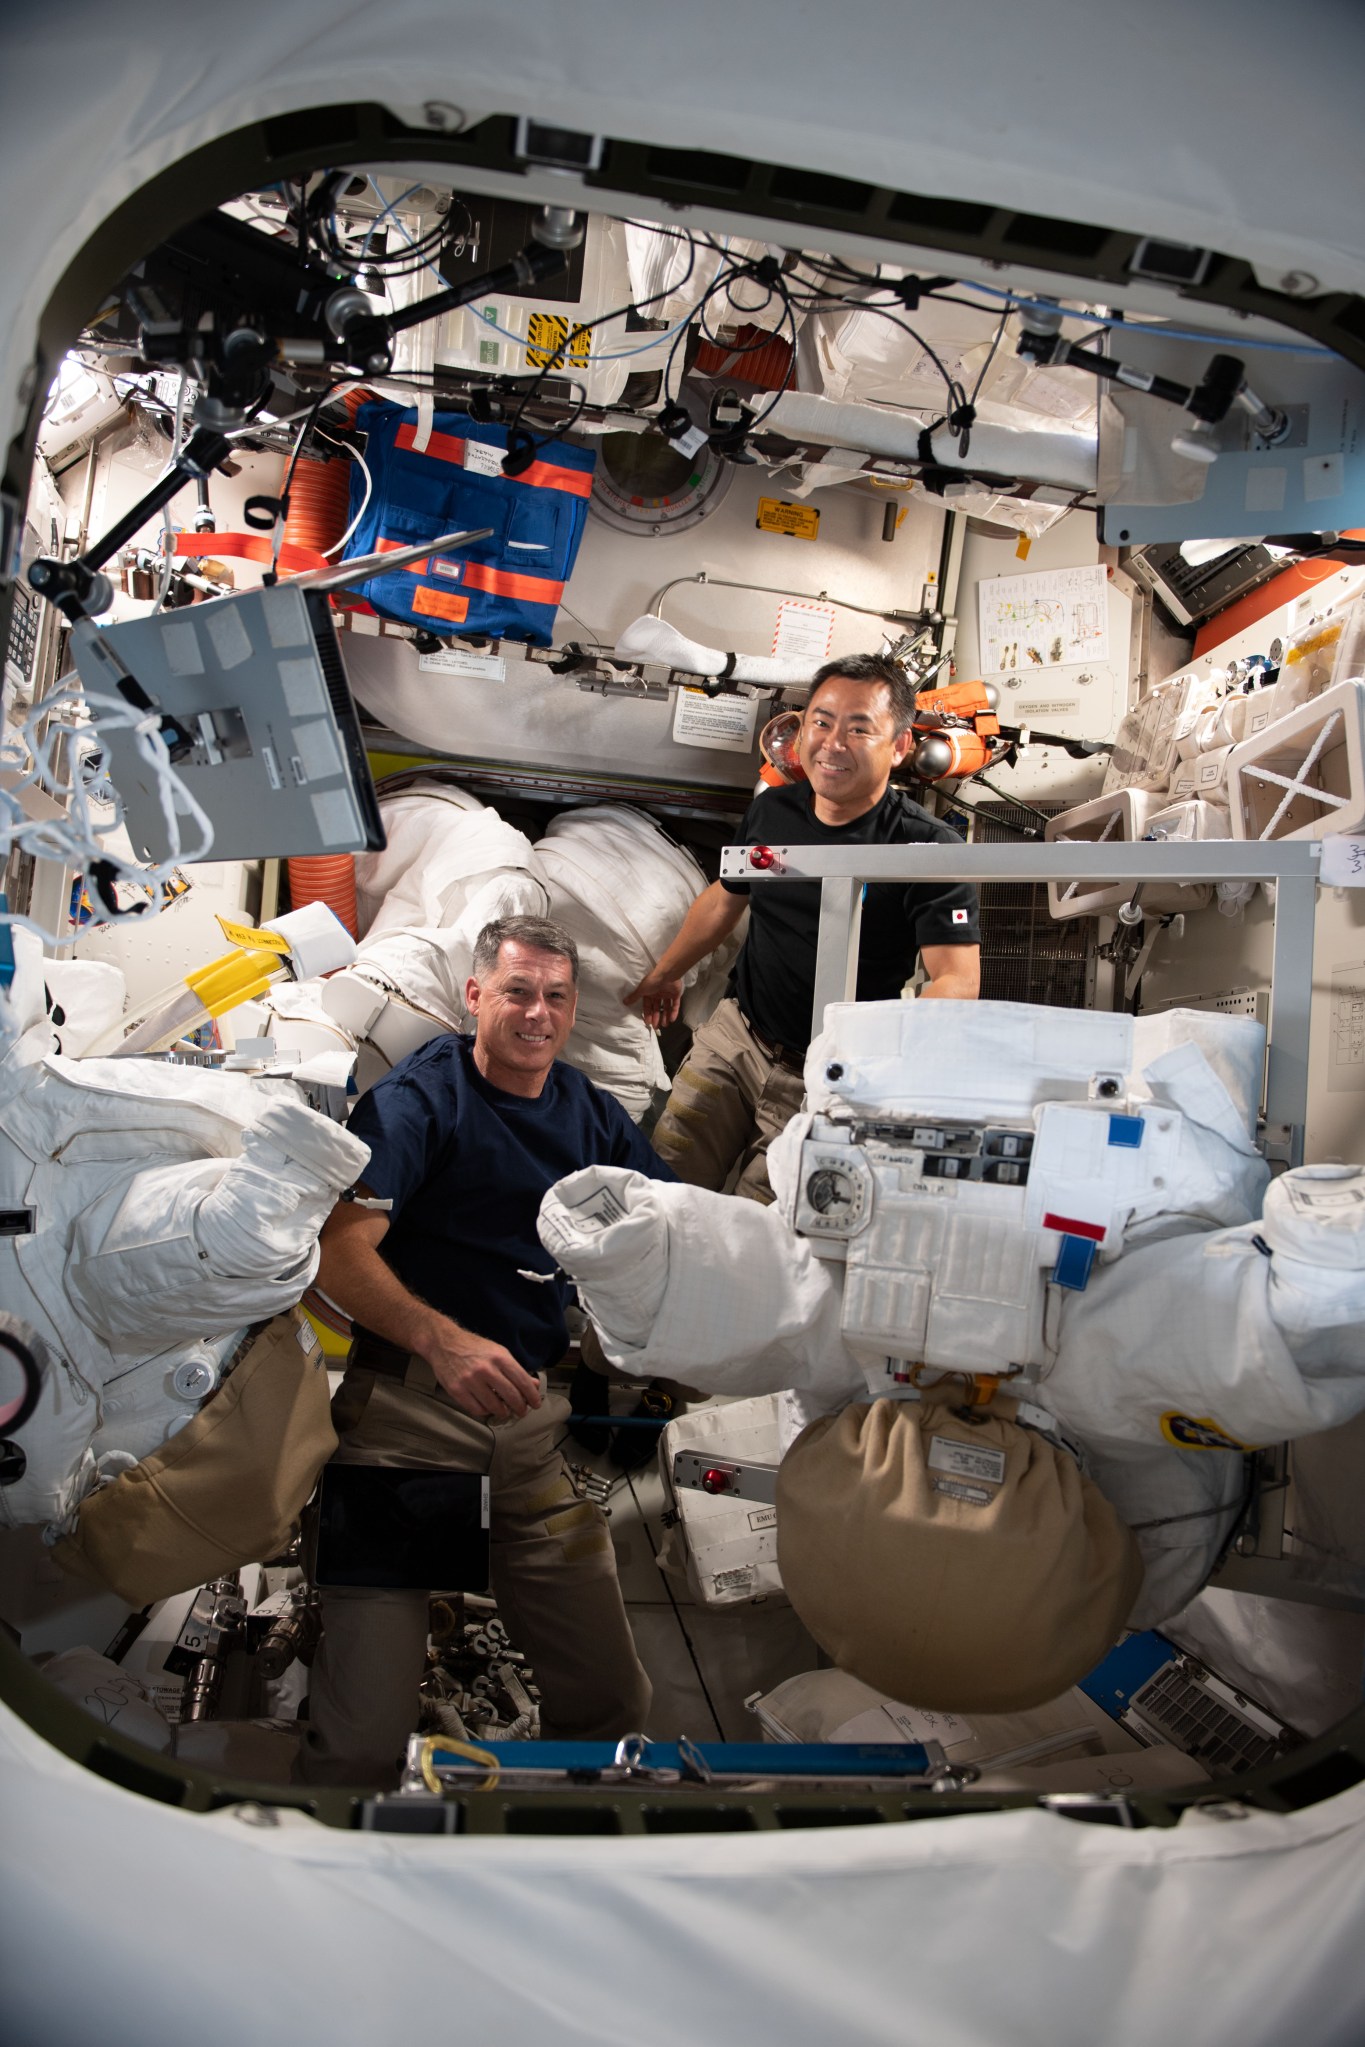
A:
(550, 345)
(775, 515)
(1188, 1432)
(975, 1495)
(763, 1517)
(966, 1460)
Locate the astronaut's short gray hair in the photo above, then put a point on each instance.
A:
(541, 932)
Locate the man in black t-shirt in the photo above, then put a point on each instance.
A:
(741, 1080)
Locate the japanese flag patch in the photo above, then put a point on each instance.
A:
(960, 916)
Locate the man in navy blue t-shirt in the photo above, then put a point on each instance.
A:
(457, 1311)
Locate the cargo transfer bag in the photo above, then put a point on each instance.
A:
(441, 472)
(226, 1489)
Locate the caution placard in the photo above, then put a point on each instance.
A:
(775, 515)
(253, 941)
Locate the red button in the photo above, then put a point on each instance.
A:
(762, 856)
(715, 1481)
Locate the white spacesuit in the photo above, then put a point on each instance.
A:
(153, 1213)
(1069, 1200)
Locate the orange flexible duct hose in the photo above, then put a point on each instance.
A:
(325, 878)
(319, 513)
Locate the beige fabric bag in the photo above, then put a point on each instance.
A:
(226, 1489)
(949, 1557)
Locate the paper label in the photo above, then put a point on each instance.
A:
(456, 661)
(763, 1517)
(975, 1495)
(253, 941)
(725, 724)
(739, 1580)
(966, 1460)
(775, 515)
(918, 1723)
(1343, 861)
(481, 458)
(598, 1209)
(803, 631)
(688, 443)
(1310, 1196)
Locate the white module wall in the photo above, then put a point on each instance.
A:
(1217, 954)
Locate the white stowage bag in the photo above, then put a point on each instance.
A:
(621, 888)
(170, 1208)
(444, 848)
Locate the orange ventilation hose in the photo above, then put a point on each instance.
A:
(319, 513)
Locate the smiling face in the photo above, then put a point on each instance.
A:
(849, 745)
(523, 1010)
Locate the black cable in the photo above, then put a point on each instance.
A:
(556, 359)
(677, 1613)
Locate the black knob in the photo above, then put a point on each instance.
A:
(834, 1071)
(1108, 1088)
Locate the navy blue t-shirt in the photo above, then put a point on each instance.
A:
(466, 1165)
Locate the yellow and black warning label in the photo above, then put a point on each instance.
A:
(775, 515)
(550, 345)
(1190, 1432)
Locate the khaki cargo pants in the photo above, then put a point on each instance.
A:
(729, 1101)
(553, 1574)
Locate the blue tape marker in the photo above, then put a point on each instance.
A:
(1074, 1261)
(1126, 1130)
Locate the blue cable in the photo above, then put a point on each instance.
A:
(1137, 327)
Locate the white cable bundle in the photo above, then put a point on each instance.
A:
(621, 887)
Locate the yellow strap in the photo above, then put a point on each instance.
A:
(456, 1748)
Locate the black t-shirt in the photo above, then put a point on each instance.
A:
(774, 977)
(465, 1165)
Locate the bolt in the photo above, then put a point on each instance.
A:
(441, 114)
(1299, 283)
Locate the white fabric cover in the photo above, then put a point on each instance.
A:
(90, 994)
(172, 1206)
(1211, 1931)
(652, 639)
(444, 848)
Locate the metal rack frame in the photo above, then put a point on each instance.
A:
(1293, 865)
